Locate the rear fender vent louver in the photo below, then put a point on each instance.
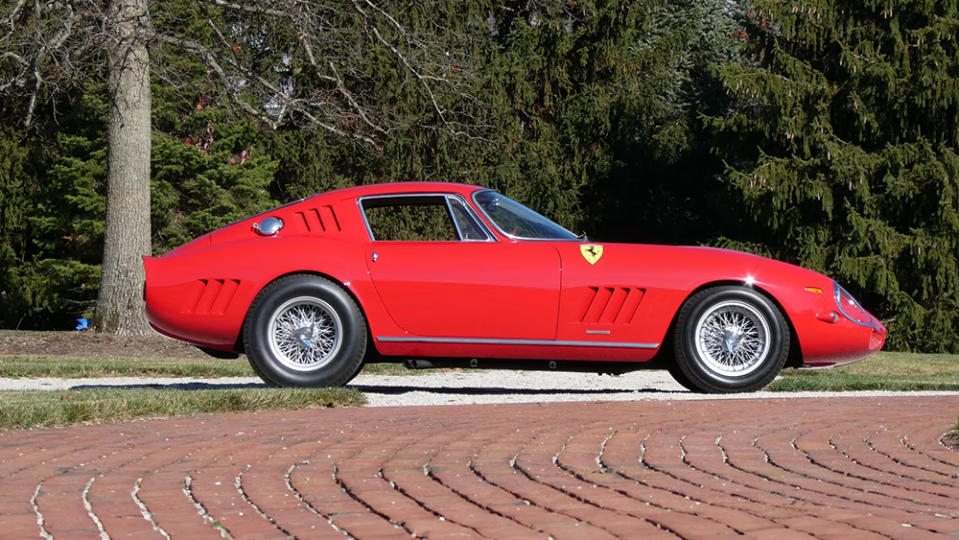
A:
(612, 305)
(319, 219)
(213, 296)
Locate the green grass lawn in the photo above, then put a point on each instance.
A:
(18, 366)
(882, 371)
(108, 366)
(21, 410)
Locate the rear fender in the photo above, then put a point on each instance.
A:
(203, 296)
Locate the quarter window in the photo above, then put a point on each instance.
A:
(469, 228)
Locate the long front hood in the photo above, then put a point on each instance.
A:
(688, 267)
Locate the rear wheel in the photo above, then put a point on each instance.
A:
(305, 331)
(729, 339)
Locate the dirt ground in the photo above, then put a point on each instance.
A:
(88, 343)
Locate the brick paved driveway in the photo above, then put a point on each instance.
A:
(784, 468)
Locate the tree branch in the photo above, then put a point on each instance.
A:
(247, 8)
(352, 102)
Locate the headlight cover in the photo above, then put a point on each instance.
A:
(850, 307)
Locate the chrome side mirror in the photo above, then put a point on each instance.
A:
(269, 226)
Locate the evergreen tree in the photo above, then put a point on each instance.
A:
(844, 144)
(209, 168)
(280, 61)
(52, 247)
(664, 186)
(561, 91)
(15, 184)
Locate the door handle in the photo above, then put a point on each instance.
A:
(375, 256)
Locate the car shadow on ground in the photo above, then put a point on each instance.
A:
(478, 390)
(170, 386)
(390, 389)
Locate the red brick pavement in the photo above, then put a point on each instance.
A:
(785, 468)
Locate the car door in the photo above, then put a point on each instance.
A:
(441, 274)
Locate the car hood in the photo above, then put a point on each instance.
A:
(690, 266)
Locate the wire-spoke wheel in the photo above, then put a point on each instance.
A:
(305, 331)
(730, 339)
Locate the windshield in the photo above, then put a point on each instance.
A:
(516, 221)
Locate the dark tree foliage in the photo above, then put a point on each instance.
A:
(15, 211)
(282, 62)
(560, 90)
(664, 184)
(822, 133)
(208, 168)
(52, 230)
(844, 144)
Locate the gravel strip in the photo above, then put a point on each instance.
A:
(463, 387)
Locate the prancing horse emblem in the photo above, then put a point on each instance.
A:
(591, 252)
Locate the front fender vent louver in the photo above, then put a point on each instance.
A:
(319, 219)
(612, 305)
(213, 296)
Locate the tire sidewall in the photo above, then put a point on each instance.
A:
(341, 368)
(695, 369)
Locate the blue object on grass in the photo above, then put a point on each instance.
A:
(82, 324)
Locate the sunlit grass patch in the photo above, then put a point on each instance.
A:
(882, 371)
(78, 367)
(18, 366)
(21, 410)
(397, 368)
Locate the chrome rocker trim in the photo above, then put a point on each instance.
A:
(491, 341)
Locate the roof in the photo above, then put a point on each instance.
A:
(403, 187)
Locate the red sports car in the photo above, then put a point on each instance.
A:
(450, 274)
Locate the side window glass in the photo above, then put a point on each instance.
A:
(411, 219)
(465, 221)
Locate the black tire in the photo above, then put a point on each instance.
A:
(729, 339)
(259, 373)
(306, 331)
(681, 377)
(217, 353)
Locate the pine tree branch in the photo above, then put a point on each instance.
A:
(15, 14)
(247, 8)
(422, 79)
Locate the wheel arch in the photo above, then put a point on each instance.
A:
(239, 347)
(665, 353)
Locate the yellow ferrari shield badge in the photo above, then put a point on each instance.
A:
(591, 252)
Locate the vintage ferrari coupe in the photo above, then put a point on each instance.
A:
(439, 274)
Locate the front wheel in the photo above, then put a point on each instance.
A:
(729, 339)
(305, 331)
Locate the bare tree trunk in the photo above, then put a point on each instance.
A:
(120, 305)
